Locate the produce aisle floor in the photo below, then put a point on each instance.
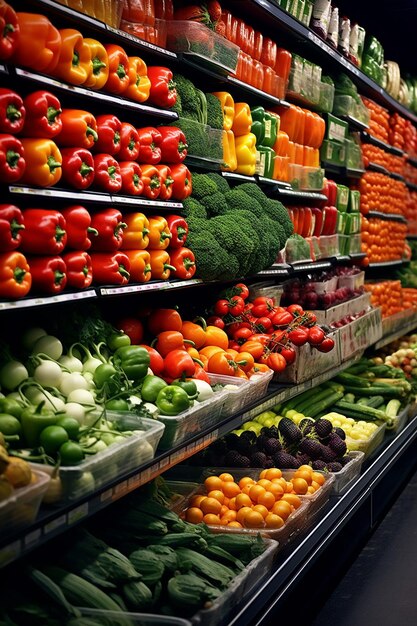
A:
(379, 589)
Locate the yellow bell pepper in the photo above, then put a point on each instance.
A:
(229, 151)
(139, 83)
(228, 107)
(246, 154)
(135, 236)
(99, 66)
(242, 122)
(43, 162)
(74, 59)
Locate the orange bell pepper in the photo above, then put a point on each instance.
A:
(139, 84)
(79, 128)
(118, 80)
(289, 121)
(99, 65)
(229, 151)
(43, 162)
(160, 265)
(298, 136)
(74, 63)
(281, 145)
(39, 43)
(228, 108)
(299, 154)
(15, 277)
(242, 121)
(159, 233)
(135, 237)
(216, 337)
(140, 265)
(195, 333)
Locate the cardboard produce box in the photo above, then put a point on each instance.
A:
(358, 335)
(310, 362)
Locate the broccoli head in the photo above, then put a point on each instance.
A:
(193, 208)
(238, 200)
(231, 269)
(215, 204)
(197, 139)
(202, 186)
(177, 107)
(189, 99)
(214, 112)
(212, 261)
(220, 181)
(277, 212)
(196, 224)
(255, 192)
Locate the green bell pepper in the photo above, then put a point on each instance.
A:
(271, 129)
(172, 400)
(11, 406)
(258, 124)
(189, 387)
(34, 419)
(103, 374)
(265, 161)
(9, 425)
(151, 386)
(133, 360)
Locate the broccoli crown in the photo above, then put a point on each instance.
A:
(196, 224)
(193, 208)
(238, 200)
(197, 139)
(233, 238)
(255, 192)
(202, 186)
(214, 112)
(177, 107)
(231, 269)
(221, 183)
(212, 261)
(279, 213)
(215, 204)
(186, 89)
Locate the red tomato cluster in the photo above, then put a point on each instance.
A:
(379, 125)
(388, 295)
(391, 162)
(383, 240)
(382, 193)
(410, 211)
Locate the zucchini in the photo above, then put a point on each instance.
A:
(318, 408)
(314, 398)
(349, 397)
(349, 379)
(373, 401)
(393, 408)
(360, 412)
(381, 370)
(335, 386)
(360, 367)
(376, 390)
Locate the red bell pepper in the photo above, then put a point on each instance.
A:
(165, 192)
(110, 268)
(79, 229)
(118, 80)
(48, 274)
(178, 364)
(15, 277)
(77, 167)
(12, 162)
(173, 145)
(9, 27)
(129, 143)
(332, 191)
(79, 128)
(179, 230)
(43, 115)
(107, 173)
(39, 43)
(318, 221)
(79, 269)
(132, 182)
(11, 226)
(283, 64)
(108, 130)
(269, 52)
(182, 185)
(184, 262)
(163, 92)
(45, 232)
(329, 220)
(110, 227)
(150, 140)
(151, 179)
(258, 45)
(12, 111)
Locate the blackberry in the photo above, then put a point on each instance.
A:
(306, 425)
(340, 432)
(323, 428)
(289, 430)
(272, 446)
(231, 440)
(311, 447)
(243, 446)
(334, 466)
(303, 459)
(250, 435)
(261, 441)
(234, 459)
(337, 445)
(319, 465)
(220, 446)
(285, 460)
(258, 460)
(327, 454)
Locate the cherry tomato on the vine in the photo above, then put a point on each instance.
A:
(315, 335)
(242, 334)
(215, 320)
(236, 305)
(221, 307)
(244, 290)
(282, 319)
(289, 354)
(295, 308)
(263, 324)
(326, 345)
(298, 336)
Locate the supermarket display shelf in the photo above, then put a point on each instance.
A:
(203, 163)
(371, 492)
(342, 170)
(312, 266)
(374, 167)
(410, 185)
(368, 138)
(386, 264)
(238, 178)
(358, 256)
(3, 69)
(56, 193)
(387, 216)
(150, 286)
(37, 301)
(98, 97)
(296, 194)
(260, 95)
(55, 520)
(412, 160)
(412, 237)
(123, 38)
(271, 182)
(354, 123)
(396, 176)
(397, 326)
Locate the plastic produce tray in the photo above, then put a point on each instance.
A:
(113, 618)
(349, 472)
(401, 420)
(247, 391)
(180, 427)
(80, 480)
(22, 507)
(367, 445)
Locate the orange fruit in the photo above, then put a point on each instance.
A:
(196, 500)
(274, 521)
(217, 495)
(288, 486)
(283, 509)
(311, 489)
(260, 508)
(319, 478)
(315, 485)
(272, 472)
(264, 483)
(234, 525)
(263, 473)
(213, 482)
(230, 489)
(276, 490)
(232, 504)
(241, 514)
(226, 477)
(194, 515)
(300, 485)
(308, 468)
(246, 480)
(255, 492)
(267, 499)
(253, 519)
(304, 474)
(224, 510)
(230, 516)
(242, 500)
(210, 505)
(210, 518)
(292, 498)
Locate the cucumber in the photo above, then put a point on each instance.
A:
(387, 392)
(360, 412)
(393, 408)
(317, 395)
(353, 381)
(318, 408)
(373, 401)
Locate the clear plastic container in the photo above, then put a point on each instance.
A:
(155, 34)
(215, 145)
(114, 618)
(326, 98)
(198, 138)
(266, 289)
(348, 473)
(83, 479)
(344, 105)
(400, 421)
(354, 282)
(312, 179)
(22, 507)
(246, 392)
(367, 446)
(198, 40)
(329, 246)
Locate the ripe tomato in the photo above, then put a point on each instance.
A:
(242, 334)
(236, 306)
(315, 335)
(244, 290)
(298, 336)
(311, 319)
(133, 328)
(263, 300)
(282, 319)
(276, 362)
(221, 307)
(255, 348)
(215, 320)
(260, 310)
(295, 308)
(289, 354)
(326, 345)
(263, 324)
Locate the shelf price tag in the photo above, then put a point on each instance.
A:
(106, 495)
(9, 553)
(54, 524)
(77, 514)
(32, 538)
